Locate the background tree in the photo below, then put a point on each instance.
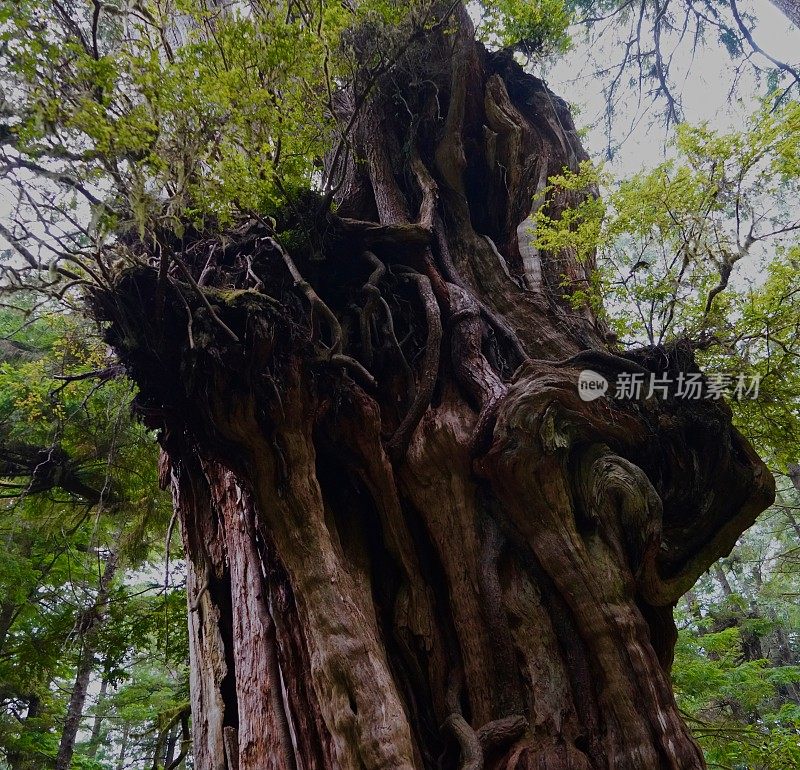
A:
(736, 669)
(81, 516)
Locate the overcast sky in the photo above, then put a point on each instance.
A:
(702, 81)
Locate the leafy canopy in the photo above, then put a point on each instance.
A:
(703, 248)
(159, 116)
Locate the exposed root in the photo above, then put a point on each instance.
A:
(503, 331)
(354, 366)
(498, 734)
(430, 368)
(474, 745)
(372, 291)
(473, 372)
(388, 326)
(605, 361)
(471, 751)
(374, 234)
(204, 299)
(317, 303)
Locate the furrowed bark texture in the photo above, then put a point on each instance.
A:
(411, 544)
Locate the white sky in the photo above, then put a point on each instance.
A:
(703, 83)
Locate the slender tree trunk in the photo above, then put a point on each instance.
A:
(172, 740)
(123, 747)
(89, 624)
(97, 724)
(722, 580)
(792, 522)
(693, 605)
(8, 611)
(411, 543)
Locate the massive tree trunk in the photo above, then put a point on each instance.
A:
(411, 544)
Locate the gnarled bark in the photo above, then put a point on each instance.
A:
(411, 543)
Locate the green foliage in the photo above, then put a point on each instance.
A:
(736, 672)
(195, 112)
(581, 226)
(703, 248)
(57, 529)
(168, 114)
(535, 27)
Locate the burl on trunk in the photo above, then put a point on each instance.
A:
(410, 543)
